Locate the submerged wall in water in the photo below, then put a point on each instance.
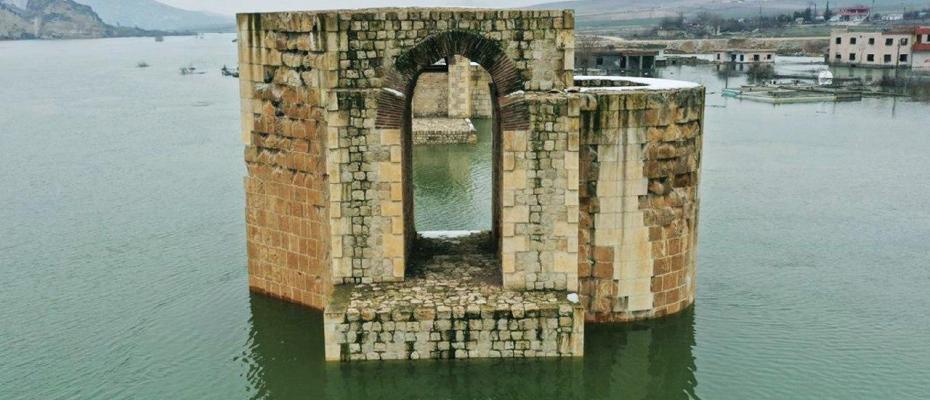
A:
(595, 188)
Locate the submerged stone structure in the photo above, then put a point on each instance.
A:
(595, 184)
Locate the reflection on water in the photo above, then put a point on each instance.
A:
(452, 184)
(650, 360)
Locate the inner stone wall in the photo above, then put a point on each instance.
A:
(431, 97)
(480, 92)
(540, 198)
(459, 87)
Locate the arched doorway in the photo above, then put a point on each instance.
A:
(396, 111)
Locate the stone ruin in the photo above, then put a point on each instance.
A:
(595, 185)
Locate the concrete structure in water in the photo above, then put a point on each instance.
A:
(595, 185)
(613, 59)
(901, 47)
(448, 95)
(745, 56)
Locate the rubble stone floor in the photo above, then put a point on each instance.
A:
(451, 305)
(451, 273)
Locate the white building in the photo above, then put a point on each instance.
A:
(921, 49)
(890, 49)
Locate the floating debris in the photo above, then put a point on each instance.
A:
(784, 94)
(226, 71)
(191, 70)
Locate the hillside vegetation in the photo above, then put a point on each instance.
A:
(57, 19)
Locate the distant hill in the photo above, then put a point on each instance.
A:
(648, 11)
(13, 24)
(150, 14)
(56, 19)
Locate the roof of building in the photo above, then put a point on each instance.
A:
(736, 50)
(609, 50)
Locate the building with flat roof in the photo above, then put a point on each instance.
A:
(745, 56)
(872, 48)
(852, 15)
(921, 49)
(615, 59)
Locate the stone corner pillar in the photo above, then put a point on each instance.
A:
(641, 157)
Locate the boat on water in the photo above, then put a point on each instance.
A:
(191, 70)
(233, 72)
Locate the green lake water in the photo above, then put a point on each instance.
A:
(122, 250)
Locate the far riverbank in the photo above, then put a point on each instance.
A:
(814, 46)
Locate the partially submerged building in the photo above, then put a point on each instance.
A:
(614, 59)
(882, 48)
(595, 184)
(745, 56)
(921, 49)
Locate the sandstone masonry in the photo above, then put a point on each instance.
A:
(595, 179)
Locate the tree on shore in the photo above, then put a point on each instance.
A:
(585, 48)
(827, 13)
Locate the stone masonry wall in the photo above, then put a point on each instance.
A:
(357, 66)
(540, 198)
(431, 97)
(459, 87)
(444, 131)
(480, 91)
(287, 190)
(539, 326)
(640, 165)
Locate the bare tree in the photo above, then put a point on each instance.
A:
(586, 47)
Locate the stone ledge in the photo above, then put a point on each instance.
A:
(451, 307)
(444, 131)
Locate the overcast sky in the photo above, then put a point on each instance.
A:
(234, 6)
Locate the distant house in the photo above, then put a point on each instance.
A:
(852, 15)
(892, 17)
(873, 48)
(745, 56)
(921, 49)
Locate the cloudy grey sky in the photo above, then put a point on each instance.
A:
(234, 6)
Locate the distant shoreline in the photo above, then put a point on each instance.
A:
(173, 34)
(809, 45)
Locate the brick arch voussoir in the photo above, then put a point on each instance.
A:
(474, 46)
